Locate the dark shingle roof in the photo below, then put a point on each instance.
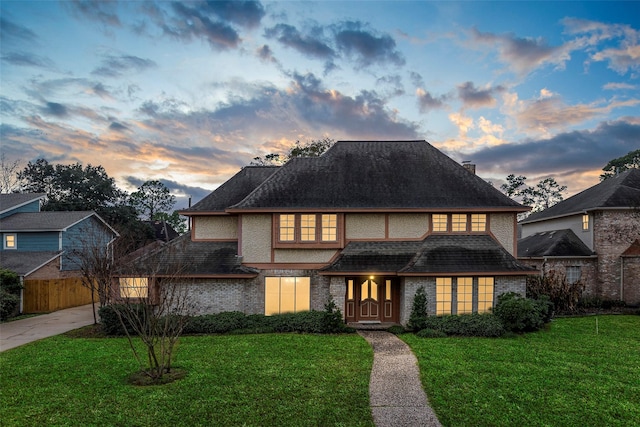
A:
(558, 243)
(162, 230)
(43, 221)
(234, 190)
(437, 254)
(12, 200)
(24, 263)
(622, 190)
(373, 175)
(184, 257)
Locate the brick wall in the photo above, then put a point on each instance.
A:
(631, 271)
(588, 269)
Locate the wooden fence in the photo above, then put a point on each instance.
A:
(54, 294)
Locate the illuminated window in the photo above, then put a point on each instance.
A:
(10, 241)
(329, 227)
(485, 294)
(478, 222)
(387, 292)
(286, 295)
(585, 222)
(459, 222)
(307, 228)
(465, 295)
(287, 227)
(443, 295)
(134, 287)
(439, 222)
(573, 274)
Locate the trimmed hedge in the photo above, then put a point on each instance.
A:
(468, 325)
(520, 314)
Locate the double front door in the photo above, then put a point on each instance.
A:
(371, 299)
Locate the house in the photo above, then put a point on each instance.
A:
(162, 230)
(43, 249)
(593, 236)
(367, 224)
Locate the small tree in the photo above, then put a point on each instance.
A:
(9, 293)
(418, 315)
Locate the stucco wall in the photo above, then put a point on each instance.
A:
(256, 238)
(503, 228)
(408, 226)
(365, 226)
(215, 227)
(304, 255)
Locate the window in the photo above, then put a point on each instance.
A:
(286, 295)
(440, 222)
(287, 227)
(134, 287)
(485, 294)
(478, 222)
(307, 228)
(465, 295)
(585, 222)
(573, 274)
(459, 222)
(10, 241)
(443, 295)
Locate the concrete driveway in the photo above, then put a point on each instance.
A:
(19, 332)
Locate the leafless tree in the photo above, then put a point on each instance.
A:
(9, 181)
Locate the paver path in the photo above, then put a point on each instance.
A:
(395, 390)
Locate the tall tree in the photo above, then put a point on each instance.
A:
(544, 195)
(313, 148)
(152, 197)
(629, 161)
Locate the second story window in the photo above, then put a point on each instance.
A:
(585, 222)
(287, 227)
(459, 222)
(478, 222)
(307, 229)
(10, 241)
(440, 222)
(329, 227)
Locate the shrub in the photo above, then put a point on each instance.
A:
(418, 310)
(468, 325)
(10, 287)
(110, 321)
(519, 314)
(431, 333)
(564, 295)
(396, 330)
(593, 302)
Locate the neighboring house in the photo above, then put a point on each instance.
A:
(45, 246)
(593, 236)
(367, 224)
(162, 230)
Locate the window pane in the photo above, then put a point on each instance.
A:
(485, 294)
(388, 290)
(459, 222)
(287, 227)
(350, 289)
(585, 222)
(439, 222)
(271, 295)
(10, 241)
(287, 294)
(374, 290)
(303, 293)
(307, 228)
(465, 295)
(478, 222)
(573, 274)
(134, 287)
(443, 295)
(364, 290)
(329, 227)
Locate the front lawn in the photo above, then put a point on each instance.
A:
(564, 376)
(252, 380)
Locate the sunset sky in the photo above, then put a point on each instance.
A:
(190, 92)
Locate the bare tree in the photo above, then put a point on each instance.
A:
(153, 306)
(9, 181)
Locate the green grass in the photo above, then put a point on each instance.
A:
(252, 380)
(564, 376)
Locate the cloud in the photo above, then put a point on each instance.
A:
(118, 127)
(578, 150)
(196, 23)
(116, 66)
(427, 102)
(473, 97)
(312, 45)
(619, 86)
(355, 40)
(25, 59)
(55, 109)
(103, 12)
(523, 55)
(244, 13)
(11, 32)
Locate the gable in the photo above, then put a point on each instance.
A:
(19, 202)
(557, 243)
(369, 175)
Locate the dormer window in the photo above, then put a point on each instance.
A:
(459, 222)
(440, 222)
(304, 229)
(10, 241)
(478, 222)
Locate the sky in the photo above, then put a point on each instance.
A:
(190, 92)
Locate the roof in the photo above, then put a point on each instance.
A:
(233, 190)
(46, 221)
(184, 257)
(633, 250)
(15, 200)
(436, 254)
(620, 191)
(162, 230)
(375, 175)
(557, 243)
(25, 263)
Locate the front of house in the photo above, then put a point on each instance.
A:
(367, 224)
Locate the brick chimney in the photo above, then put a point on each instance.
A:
(469, 166)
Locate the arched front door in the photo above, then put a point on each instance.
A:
(371, 299)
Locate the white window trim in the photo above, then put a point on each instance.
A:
(15, 242)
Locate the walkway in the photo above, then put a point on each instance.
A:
(19, 332)
(395, 390)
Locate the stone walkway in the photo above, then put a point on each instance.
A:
(395, 390)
